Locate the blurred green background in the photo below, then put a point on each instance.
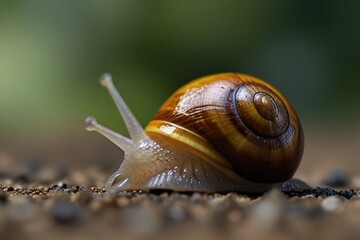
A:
(52, 53)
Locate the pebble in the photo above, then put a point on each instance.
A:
(2, 223)
(220, 203)
(336, 178)
(235, 215)
(80, 177)
(64, 211)
(60, 186)
(97, 206)
(20, 208)
(332, 204)
(3, 196)
(355, 183)
(177, 213)
(267, 212)
(200, 212)
(34, 165)
(141, 220)
(48, 175)
(354, 206)
(82, 198)
(22, 178)
(196, 197)
(122, 202)
(304, 208)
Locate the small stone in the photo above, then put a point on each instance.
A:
(3, 196)
(122, 202)
(267, 213)
(22, 178)
(48, 175)
(3, 224)
(355, 183)
(59, 187)
(177, 213)
(10, 189)
(62, 185)
(332, 204)
(200, 212)
(141, 220)
(75, 189)
(96, 206)
(220, 203)
(354, 206)
(64, 211)
(196, 197)
(336, 178)
(34, 165)
(235, 215)
(3, 175)
(304, 208)
(239, 200)
(79, 178)
(82, 197)
(20, 208)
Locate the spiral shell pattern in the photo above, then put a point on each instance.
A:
(234, 121)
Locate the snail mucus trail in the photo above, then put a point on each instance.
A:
(220, 133)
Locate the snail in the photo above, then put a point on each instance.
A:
(219, 133)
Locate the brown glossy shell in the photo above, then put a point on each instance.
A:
(238, 118)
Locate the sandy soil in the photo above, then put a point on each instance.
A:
(42, 199)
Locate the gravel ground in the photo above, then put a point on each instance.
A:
(47, 202)
(51, 187)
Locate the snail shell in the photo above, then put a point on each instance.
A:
(224, 132)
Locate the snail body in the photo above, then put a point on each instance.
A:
(220, 133)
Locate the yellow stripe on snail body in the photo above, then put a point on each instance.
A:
(220, 133)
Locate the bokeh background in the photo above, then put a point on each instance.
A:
(52, 53)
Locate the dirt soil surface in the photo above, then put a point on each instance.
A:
(45, 200)
(34, 210)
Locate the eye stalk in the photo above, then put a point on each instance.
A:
(106, 79)
(134, 128)
(122, 142)
(128, 145)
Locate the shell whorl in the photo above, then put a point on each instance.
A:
(261, 110)
(242, 119)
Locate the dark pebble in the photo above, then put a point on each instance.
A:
(61, 171)
(301, 210)
(60, 186)
(75, 189)
(3, 175)
(83, 197)
(21, 178)
(34, 165)
(64, 212)
(177, 213)
(3, 196)
(10, 189)
(336, 178)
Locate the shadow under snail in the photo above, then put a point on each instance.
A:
(220, 133)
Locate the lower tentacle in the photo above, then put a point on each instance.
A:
(112, 188)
